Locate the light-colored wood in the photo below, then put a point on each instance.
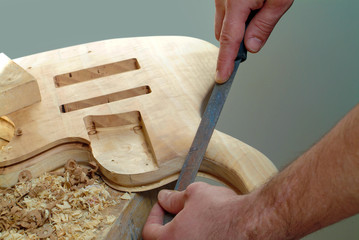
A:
(137, 102)
(7, 131)
(130, 223)
(50, 160)
(18, 89)
(131, 213)
(133, 105)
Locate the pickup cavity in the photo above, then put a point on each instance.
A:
(108, 98)
(96, 72)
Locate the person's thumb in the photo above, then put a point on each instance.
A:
(263, 24)
(171, 201)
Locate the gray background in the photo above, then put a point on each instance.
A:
(284, 98)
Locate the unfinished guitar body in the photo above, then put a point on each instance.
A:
(133, 105)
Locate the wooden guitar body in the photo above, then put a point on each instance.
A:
(133, 105)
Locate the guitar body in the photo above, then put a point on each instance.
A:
(133, 105)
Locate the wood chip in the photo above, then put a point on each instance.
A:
(126, 196)
(25, 176)
(61, 206)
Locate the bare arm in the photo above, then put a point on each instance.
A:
(230, 19)
(321, 187)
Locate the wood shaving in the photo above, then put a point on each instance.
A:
(126, 196)
(25, 176)
(56, 207)
(45, 231)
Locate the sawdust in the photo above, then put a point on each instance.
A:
(56, 206)
(126, 196)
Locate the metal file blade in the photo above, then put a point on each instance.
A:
(206, 128)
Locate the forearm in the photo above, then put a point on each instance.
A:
(321, 187)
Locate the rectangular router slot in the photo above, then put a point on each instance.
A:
(112, 97)
(96, 72)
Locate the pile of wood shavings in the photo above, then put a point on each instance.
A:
(62, 206)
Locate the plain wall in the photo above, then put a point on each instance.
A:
(283, 100)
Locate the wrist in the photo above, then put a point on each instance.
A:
(265, 217)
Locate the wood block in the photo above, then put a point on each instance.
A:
(18, 88)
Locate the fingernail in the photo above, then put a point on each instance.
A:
(163, 195)
(254, 44)
(219, 78)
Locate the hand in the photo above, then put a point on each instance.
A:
(203, 212)
(209, 212)
(230, 19)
